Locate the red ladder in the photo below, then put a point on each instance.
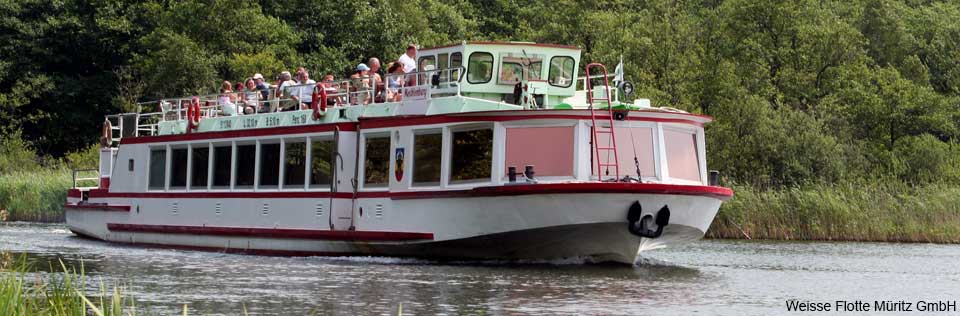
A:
(597, 129)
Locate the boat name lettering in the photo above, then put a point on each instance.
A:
(300, 119)
(249, 122)
(272, 121)
(226, 124)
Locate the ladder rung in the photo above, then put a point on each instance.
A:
(603, 131)
(606, 148)
(608, 165)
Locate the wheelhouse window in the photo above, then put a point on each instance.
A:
(427, 152)
(471, 156)
(200, 167)
(376, 160)
(456, 61)
(514, 68)
(178, 168)
(294, 163)
(158, 169)
(480, 67)
(245, 160)
(269, 165)
(321, 163)
(427, 61)
(561, 71)
(221, 166)
(682, 154)
(548, 149)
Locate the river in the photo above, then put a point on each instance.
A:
(713, 277)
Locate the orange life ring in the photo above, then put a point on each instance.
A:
(319, 102)
(193, 114)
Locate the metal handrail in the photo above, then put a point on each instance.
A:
(77, 178)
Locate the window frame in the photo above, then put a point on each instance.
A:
(309, 175)
(282, 181)
(259, 176)
(412, 157)
(362, 168)
(489, 75)
(449, 154)
(572, 70)
(191, 186)
(235, 165)
(151, 162)
(187, 167)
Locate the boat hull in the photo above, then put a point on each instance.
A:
(501, 225)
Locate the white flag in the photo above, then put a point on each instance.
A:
(618, 72)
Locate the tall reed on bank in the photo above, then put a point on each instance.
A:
(879, 211)
(34, 195)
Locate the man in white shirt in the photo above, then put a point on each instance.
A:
(409, 59)
(303, 92)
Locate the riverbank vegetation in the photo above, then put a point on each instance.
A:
(834, 119)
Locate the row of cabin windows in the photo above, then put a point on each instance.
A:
(480, 69)
(471, 158)
(222, 169)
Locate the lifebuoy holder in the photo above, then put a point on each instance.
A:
(193, 114)
(318, 101)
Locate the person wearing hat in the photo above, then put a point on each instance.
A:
(262, 86)
(361, 82)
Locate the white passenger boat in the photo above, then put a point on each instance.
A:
(495, 151)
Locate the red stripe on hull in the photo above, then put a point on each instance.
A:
(98, 207)
(259, 252)
(74, 193)
(340, 235)
(505, 190)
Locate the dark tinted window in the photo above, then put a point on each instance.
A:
(471, 156)
(294, 164)
(269, 165)
(178, 168)
(158, 168)
(376, 161)
(245, 162)
(321, 162)
(221, 166)
(561, 71)
(426, 159)
(201, 160)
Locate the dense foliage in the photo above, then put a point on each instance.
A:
(802, 91)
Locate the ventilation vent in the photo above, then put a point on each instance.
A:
(319, 209)
(174, 208)
(219, 209)
(266, 209)
(378, 211)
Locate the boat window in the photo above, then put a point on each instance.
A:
(376, 162)
(456, 60)
(221, 166)
(178, 168)
(158, 168)
(294, 163)
(427, 61)
(426, 158)
(630, 141)
(682, 160)
(471, 156)
(321, 162)
(514, 67)
(561, 71)
(548, 149)
(480, 67)
(201, 163)
(245, 161)
(269, 165)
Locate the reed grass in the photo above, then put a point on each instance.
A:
(57, 294)
(882, 211)
(34, 195)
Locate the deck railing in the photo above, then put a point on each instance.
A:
(83, 176)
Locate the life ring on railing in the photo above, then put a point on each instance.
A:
(193, 114)
(319, 101)
(105, 139)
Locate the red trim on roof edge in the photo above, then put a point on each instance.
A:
(342, 235)
(283, 130)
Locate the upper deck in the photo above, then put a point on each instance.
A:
(495, 76)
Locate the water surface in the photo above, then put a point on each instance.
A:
(707, 277)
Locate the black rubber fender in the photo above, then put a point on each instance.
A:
(637, 223)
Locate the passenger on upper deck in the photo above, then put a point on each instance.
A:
(394, 82)
(302, 93)
(262, 86)
(361, 84)
(251, 96)
(328, 85)
(227, 99)
(409, 59)
(375, 80)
